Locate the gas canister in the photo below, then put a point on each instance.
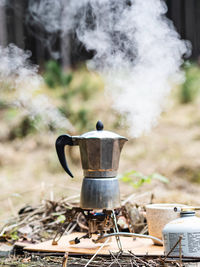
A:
(188, 228)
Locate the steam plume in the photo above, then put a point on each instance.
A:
(22, 78)
(2, 2)
(137, 50)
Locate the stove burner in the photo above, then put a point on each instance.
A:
(100, 223)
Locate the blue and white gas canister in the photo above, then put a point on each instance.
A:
(186, 230)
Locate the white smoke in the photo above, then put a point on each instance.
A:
(19, 76)
(136, 49)
(2, 2)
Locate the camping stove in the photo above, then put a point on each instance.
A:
(98, 223)
(100, 196)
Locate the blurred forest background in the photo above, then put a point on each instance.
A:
(29, 168)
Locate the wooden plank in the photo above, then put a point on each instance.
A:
(140, 246)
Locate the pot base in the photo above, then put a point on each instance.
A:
(100, 193)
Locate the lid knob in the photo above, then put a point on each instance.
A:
(99, 126)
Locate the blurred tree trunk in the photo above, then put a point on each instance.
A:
(3, 32)
(186, 17)
(40, 50)
(19, 23)
(184, 13)
(66, 50)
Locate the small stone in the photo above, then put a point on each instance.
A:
(5, 250)
(25, 230)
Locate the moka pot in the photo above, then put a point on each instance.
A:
(100, 153)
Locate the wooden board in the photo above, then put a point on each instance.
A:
(140, 246)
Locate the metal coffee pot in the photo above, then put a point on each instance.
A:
(100, 153)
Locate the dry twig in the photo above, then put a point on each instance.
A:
(98, 250)
(65, 260)
(171, 250)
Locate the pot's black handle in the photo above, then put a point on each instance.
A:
(61, 142)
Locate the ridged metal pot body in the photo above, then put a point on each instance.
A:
(100, 157)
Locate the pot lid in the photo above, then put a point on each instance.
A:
(101, 134)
